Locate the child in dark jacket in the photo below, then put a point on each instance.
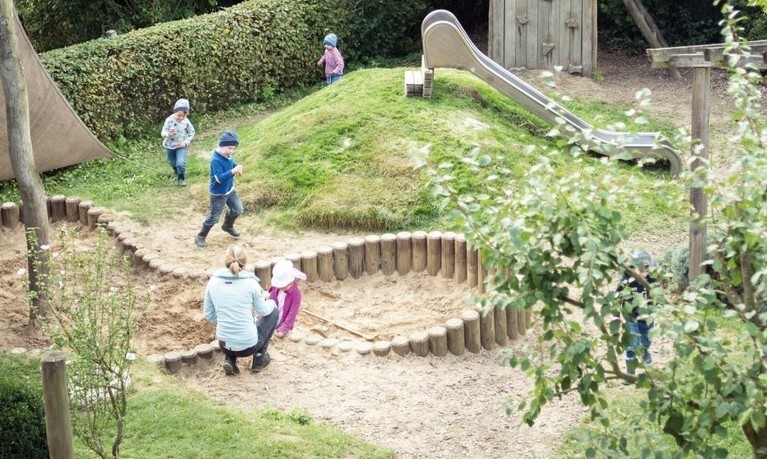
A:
(223, 170)
(640, 328)
(334, 62)
(286, 294)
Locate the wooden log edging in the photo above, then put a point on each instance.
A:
(444, 254)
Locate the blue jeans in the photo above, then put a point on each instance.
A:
(641, 332)
(177, 159)
(332, 78)
(217, 202)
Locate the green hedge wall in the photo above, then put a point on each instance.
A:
(124, 86)
(22, 414)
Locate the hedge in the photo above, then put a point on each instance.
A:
(22, 413)
(124, 86)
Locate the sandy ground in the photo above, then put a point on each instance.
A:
(420, 407)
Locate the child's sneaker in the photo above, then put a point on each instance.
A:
(647, 358)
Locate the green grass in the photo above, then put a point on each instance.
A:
(168, 420)
(340, 156)
(624, 412)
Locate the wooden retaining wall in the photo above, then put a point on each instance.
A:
(439, 254)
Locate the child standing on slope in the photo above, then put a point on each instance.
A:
(286, 294)
(334, 62)
(177, 133)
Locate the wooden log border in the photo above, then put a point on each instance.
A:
(439, 254)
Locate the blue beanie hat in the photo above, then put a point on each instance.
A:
(181, 105)
(330, 39)
(228, 139)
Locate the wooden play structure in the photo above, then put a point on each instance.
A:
(446, 45)
(541, 34)
(701, 59)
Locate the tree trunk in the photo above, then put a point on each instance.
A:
(35, 215)
(757, 439)
(647, 26)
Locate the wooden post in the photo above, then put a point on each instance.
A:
(295, 258)
(419, 251)
(381, 348)
(448, 255)
(404, 252)
(309, 265)
(511, 324)
(471, 267)
(58, 426)
(263, 270)
(58, 208)
(9, 213)
(471, 330)
(487, 329)
(341, 260)
(480, 274)
(460, 258)
(701, 84)
(356, 257)
(438, 341)
(372, 254)
(325, 263)
(83, 209)
(72, 205)
(500, 321)
(419, 343)
(400, 345)
(388, 253)
(455, 336)
(521, 323)
(93, 217)
(433, 252)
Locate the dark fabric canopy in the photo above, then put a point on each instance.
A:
(59, 137)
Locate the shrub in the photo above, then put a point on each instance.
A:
(125, 86)
(22, 413)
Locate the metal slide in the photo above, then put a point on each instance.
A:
(445, 44)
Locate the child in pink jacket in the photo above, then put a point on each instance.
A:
(334, 62)
(286, 294)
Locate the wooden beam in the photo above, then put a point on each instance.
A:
(709, 58)
(661, 56)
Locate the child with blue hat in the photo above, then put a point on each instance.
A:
(223, 170)
(334, 62)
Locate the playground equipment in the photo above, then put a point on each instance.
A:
(59, 137)
(446, 44)
(544, 34)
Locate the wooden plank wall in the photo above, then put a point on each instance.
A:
(521, 30)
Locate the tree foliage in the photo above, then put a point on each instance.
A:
(91, 303)
(557, 246)
(54, 24)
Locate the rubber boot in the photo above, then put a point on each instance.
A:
(228, 226)
(181, 174)
(200, 239)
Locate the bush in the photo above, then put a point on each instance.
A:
(125, 86)
(22, 413)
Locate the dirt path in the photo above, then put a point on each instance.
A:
(420, 407)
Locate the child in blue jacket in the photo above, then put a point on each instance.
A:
(223, 169)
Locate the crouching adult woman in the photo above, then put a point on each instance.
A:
(233, 300)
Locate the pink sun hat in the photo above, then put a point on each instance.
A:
(284, 273)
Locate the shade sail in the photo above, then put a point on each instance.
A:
(59, 137)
